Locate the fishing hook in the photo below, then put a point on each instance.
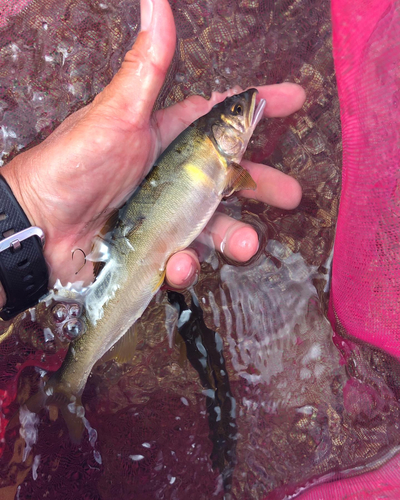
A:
(84, 255)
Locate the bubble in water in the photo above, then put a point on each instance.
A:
(180, 77)
(75, 310)
(60, 313)
(73, 329)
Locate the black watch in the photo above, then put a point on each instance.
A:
(23, 269)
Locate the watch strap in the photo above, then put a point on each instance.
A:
(23, 269)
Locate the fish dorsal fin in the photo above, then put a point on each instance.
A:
(97, 267)
(122, 351)
(238, 178)
(96, 253)
(110, 223)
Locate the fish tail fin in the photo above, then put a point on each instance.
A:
(73, 414)
(55, 395)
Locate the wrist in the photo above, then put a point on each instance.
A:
(23, 270)
(16, 177)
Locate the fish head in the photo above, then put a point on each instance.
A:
(233, 122)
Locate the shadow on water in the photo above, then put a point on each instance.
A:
(204, 350)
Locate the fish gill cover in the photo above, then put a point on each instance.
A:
(260, 399)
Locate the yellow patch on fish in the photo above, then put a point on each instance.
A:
(198, 175)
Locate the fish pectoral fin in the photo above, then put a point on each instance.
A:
(53, 394)
(160, 281)
(122, 351)
(238, 178)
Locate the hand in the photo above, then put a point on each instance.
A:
(69, 184)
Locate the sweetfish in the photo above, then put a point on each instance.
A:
(164, 215)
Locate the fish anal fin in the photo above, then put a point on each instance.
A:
(122, 351)
(238, 178)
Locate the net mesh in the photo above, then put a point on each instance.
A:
(300, 404)
(365, 287)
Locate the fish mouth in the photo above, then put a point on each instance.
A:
(257, 112)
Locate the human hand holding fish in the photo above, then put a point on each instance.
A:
(69, 184)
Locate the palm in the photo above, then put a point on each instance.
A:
(101, 166)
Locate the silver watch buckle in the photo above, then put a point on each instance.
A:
(14, 241)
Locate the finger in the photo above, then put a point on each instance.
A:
(282, 100)
(134, 89)
(173, 120)
(234, 239)
(182, 269)
(273, 186)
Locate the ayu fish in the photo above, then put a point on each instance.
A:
(164, 215)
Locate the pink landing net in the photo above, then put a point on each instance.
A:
(365, 293)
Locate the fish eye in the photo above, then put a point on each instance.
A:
(237, 109)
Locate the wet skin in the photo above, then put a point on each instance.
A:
(69, 184)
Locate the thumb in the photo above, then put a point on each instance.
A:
(134, 89)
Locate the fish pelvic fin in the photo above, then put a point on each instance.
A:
(238, 178)
(55, 396)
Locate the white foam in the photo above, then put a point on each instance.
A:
(35, 465)
(28, 430)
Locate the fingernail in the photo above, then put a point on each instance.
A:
(146, 14)
(189, 274)
(195, 279)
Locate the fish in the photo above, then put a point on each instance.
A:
(163, 216)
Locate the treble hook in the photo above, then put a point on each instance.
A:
(84, 262)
